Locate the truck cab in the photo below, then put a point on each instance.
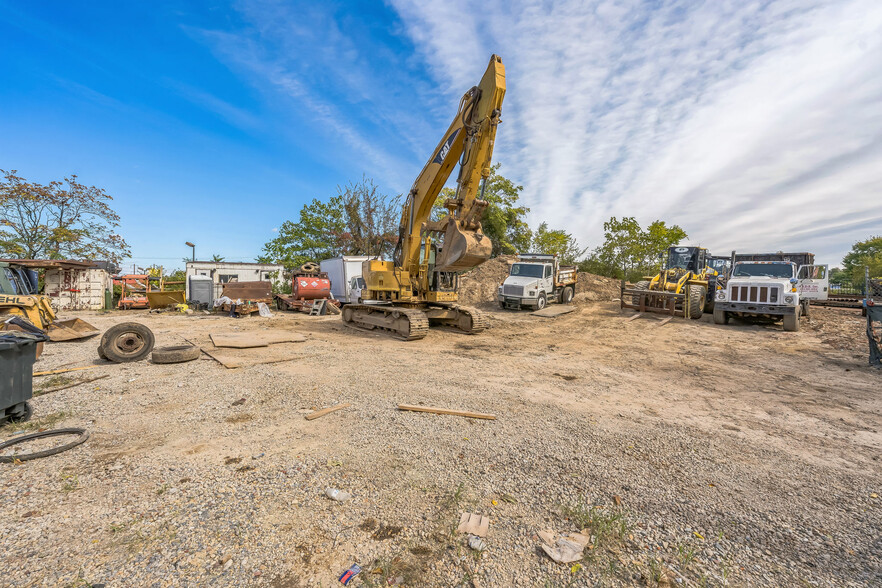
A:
(772, 289)
(534, 280)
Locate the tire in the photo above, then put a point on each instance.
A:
(24, 416)
(502, 305)
(721, 317)
(176, 354)
(806, 309)
(791, 322)
(641, 285)
(696, 302)
(83, 435)
(127, 342)
(542, 302)
(566, 295)
(101, 353)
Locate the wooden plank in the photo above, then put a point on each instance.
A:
(636, 316)
(434, 410)
(255, 338)
(324, 411)
(40, 393)
(50, 372)
(665, 321)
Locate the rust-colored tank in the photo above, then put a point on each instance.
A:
(315, 287)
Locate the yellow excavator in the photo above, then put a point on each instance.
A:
(418, 287)
(19, 298)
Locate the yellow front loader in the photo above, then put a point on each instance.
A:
(18, 298)
(679, 289)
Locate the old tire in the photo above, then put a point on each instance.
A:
(566, 295)
(127, 342)
(791, 321)
(542, 301)
(721, 317)
(696, 302)
(101, 353)
(82, 436)
(641, 285)
(176, 354)
(806, 309)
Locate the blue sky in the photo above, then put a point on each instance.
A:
(754, 125)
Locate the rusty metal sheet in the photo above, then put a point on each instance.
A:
(256, 291)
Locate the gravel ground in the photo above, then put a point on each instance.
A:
(695, 454)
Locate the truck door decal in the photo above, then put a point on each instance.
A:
(813, 282)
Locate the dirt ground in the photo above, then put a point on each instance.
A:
(694, 455)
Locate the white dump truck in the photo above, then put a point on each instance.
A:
(776, 289)
(536, 279)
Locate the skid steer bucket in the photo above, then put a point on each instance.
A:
(70, 329)
(463, 249)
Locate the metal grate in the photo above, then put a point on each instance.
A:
(510, 290)
(762, 294)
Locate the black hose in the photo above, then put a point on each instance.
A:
(83, 436)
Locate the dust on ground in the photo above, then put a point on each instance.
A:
(694, 453)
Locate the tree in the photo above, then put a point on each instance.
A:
(217, 258)
(504, 221)
(863, 254)
(64, 219)
(629, 251)
(556, 242)
(358, 220)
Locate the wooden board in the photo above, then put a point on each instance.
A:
(324, 411)
(554, 310)
(434, 410)
(255, 338)
(50, 372)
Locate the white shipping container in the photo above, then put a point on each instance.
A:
(77, 289)
(341, 270)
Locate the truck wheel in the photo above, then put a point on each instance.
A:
(696, 302)
(806, 309)
(127, 342)
(721, 317)
(502, 305)
(25, 415)
(542, 302)
(566, 295)
(791, 321)
(176, 354)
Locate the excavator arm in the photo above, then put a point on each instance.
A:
(468, 140)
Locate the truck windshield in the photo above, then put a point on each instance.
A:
(763, 270)
(526, 270)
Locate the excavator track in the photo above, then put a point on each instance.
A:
(408, 323)
(479, 319)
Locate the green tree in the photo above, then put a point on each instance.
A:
(64, 219)
(315, 236)
(556, 242)
(504, 220)
(217, 258)
(630, 251)
(866, 253)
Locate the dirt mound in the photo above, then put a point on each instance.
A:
(479, 286)
(594, 288)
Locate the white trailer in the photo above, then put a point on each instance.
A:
(341, 271)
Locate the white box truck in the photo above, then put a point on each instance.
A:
(345, 275)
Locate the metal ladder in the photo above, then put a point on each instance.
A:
(318, 308)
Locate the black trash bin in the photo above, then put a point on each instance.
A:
(18, 352)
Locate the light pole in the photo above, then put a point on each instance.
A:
(193, 247)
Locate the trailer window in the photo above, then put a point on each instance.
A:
(227, 278)
(526, 270)
(763, 270)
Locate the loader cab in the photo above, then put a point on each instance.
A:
(14, 280)
(719, 264)
(687, 258)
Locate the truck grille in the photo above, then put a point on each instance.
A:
(766, 294)
(510, 290)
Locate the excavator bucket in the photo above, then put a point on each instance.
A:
(70, 329)
(463, 249)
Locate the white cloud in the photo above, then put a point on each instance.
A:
(753, 125)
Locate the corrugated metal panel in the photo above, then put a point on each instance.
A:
(76, 289)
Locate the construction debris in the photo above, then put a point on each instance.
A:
(434, 410)
(255, 339)
(64, 371)
(564, 549)
(553, 311)
(126, 342)
(65, 387)
(473, 524)
(324, 411)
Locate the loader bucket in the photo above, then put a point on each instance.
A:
(70, 329)
(463, 249)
